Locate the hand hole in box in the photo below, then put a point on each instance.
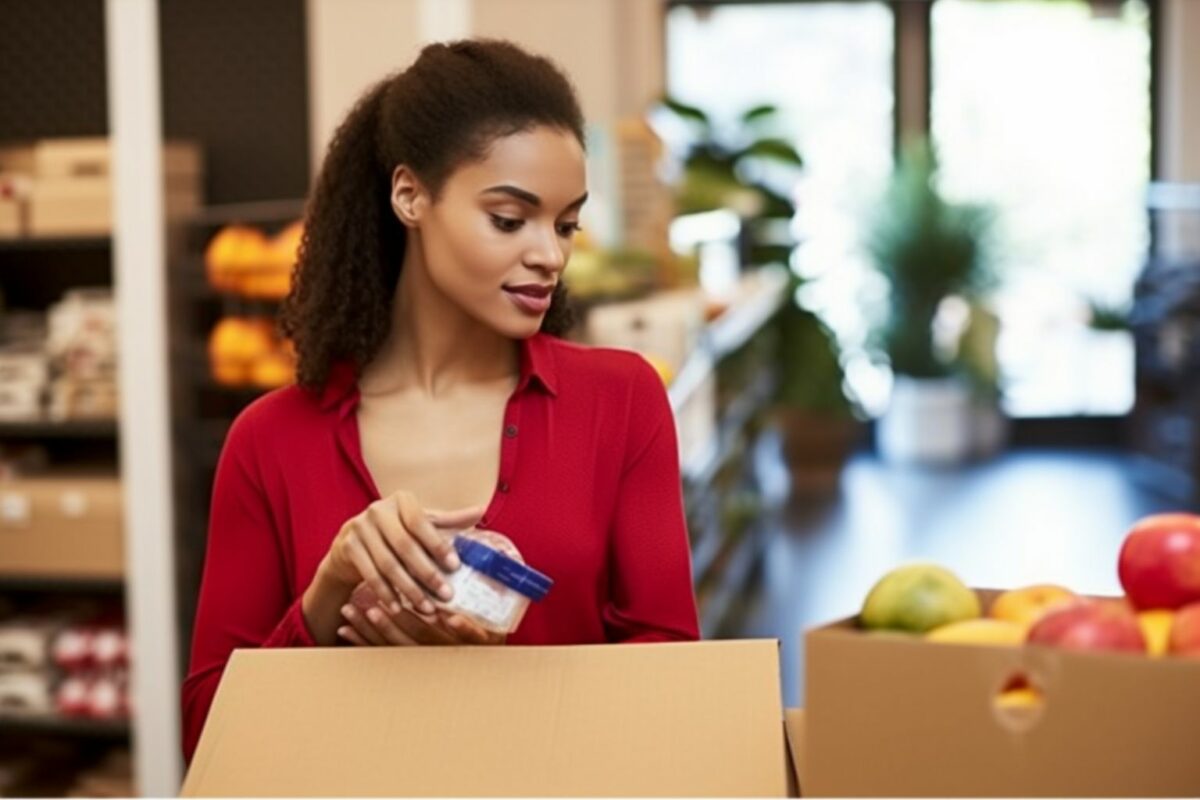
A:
(1020, 703)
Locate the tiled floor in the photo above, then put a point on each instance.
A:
(1027, 516)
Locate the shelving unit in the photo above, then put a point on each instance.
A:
(202, 408)
(34, 273)
(737, 348)
(89, 729)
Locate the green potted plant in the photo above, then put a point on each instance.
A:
(928, 249)
(814, 411)
(718, 173)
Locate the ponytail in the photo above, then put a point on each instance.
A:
(348, 221)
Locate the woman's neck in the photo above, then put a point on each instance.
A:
(434, 346)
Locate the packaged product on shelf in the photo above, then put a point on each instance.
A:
(71, 192)
(70, 399)
(26, 693)
(25, 642)
(81, 340)
(81, 344)
(20, 401)
(24, 368)
(16, 181)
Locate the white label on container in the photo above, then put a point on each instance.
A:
(73, 504)
(473, 593)
(15, 508)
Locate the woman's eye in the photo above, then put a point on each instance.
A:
(506, 224)
(568, 229)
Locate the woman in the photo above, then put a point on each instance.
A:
(433, 395)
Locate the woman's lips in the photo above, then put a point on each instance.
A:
(533, 299)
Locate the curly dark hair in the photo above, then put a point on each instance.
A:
(440, 113)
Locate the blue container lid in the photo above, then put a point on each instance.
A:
(510, 572)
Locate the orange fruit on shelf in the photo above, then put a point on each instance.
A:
(265, 284)
(272, 371)
(235, 250)
(285, 248)
(234, 346)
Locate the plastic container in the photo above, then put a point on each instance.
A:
(494, 586)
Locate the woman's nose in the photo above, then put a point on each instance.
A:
(547, 253)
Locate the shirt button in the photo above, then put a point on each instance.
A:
(511, 431)
(504, 486)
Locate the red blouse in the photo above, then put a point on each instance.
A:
(589, 491)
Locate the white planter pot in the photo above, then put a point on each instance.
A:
(990, 429)
(929, 421)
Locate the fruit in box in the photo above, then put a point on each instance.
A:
(1090, 625)
(979, 631)
(918, 598)
(1025, 605)
(1156, 628)
(1185, 632)
(1159, 564)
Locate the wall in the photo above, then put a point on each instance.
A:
(351, 45)
(611, 48)
(1179, 91)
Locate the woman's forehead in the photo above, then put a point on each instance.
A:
(545, 162)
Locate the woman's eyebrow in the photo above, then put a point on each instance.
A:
(528, 197)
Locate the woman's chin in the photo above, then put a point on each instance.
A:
(516, 327)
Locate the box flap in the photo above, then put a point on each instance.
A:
(793, 723)
(696, 718)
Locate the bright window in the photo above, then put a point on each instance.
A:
(1044, 109)
(829, 68)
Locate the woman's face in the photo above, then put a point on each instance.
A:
(498, 237)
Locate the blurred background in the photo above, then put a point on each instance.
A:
(922, 279)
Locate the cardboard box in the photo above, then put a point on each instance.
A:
(893, 715)
(16, 169)
(681, 719)
(61, 527)
(71, 193)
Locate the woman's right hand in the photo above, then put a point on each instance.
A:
(395, 547)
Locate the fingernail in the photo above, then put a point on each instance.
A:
(452, 561)
(348, 610)
(396, 607)
(445, 592)
(344, 633)
(374, 615)
(427, 607)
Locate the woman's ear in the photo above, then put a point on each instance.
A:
(409, 198)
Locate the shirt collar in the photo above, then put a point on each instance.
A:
(538, 367)
(538, 364)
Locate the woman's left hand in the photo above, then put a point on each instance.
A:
(369, 624)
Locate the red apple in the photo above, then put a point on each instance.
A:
(1185, 632)
(1159, 564)
(1094, 625)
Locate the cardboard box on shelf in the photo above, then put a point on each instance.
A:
(61, 527)
(681, 719)
(71, 193)
(894, 715)
(666, 325)
(16, 169)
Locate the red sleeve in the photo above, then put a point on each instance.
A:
(245, 595)
(651, 590)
